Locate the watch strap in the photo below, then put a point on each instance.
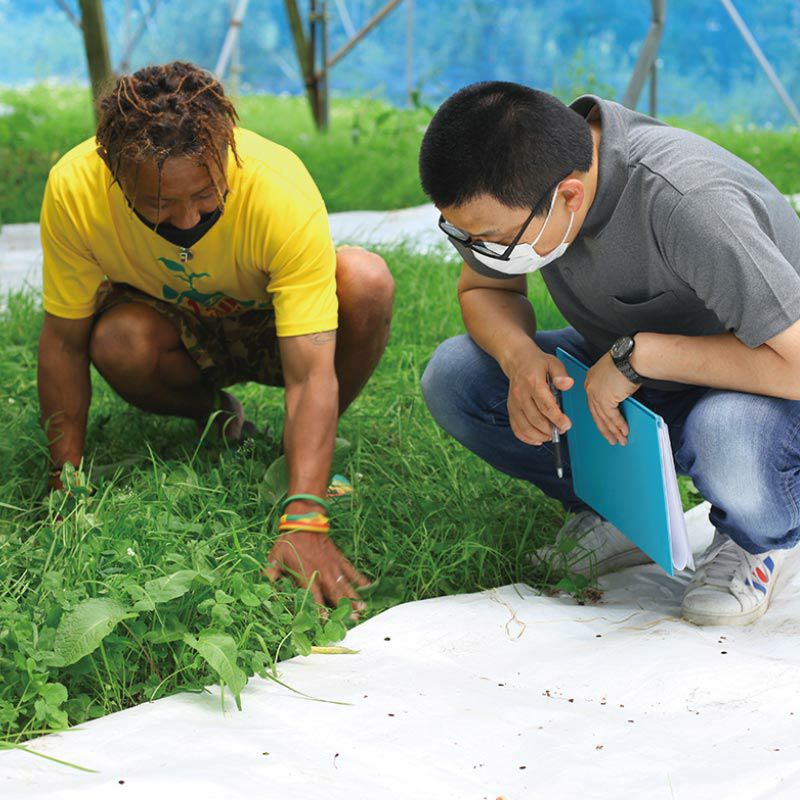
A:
(624, 366)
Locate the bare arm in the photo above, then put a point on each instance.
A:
(64, 386)
(723, 362)
(312, 406)
(501, 320)
(498, 316)
(312, 410)
(719, 362)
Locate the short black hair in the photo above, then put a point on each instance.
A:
(505, 140)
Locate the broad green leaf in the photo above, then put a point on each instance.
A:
(305, 620)
(54, 694)
(163, 637)
(50, 715)
(82, 629)
(343, 610)
(333, 631)
(223, 597)
(301, 642)
(276, 478)
(172, 630)
(221, 615)
(162, 590)
(219, 651)
(249, 599)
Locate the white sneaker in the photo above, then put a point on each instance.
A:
(600, 547)
(730, 586)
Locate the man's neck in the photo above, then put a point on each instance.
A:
(590, 182)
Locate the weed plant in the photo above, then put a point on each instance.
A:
(150, 583)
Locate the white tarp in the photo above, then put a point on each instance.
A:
(498, 694)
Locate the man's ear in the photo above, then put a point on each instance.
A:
(574, 193)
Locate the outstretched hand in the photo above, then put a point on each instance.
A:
(314, 561)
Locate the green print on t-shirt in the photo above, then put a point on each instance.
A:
(213, 303)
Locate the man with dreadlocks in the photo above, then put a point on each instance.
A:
(183, 254)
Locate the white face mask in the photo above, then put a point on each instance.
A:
(523, 258)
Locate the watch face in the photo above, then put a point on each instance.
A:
(622, 348)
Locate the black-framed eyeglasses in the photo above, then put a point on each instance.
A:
(462, 241)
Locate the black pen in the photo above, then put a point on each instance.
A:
(556, 436)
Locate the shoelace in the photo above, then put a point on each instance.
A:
(725, 564)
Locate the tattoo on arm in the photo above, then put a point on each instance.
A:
(321, 339)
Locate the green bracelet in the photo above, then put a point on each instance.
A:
(312, 497)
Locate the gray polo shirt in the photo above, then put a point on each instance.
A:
(683, 237)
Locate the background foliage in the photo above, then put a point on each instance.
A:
(368, 160)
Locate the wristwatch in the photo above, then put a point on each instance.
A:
(621, 352)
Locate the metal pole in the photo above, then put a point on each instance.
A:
(236, 62)
(149, 22)
(124, 65)
(134, 40)
(312, 57)
(69, 12)
(654, 89)
(375, 20)
(647, 55)
(324, 98)
(230, 39)
(344, 15)
(410, 52)
(762, 59)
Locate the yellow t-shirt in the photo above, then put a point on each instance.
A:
(270, 248)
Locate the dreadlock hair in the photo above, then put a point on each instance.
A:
(167, 111)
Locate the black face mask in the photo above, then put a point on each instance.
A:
(184, 237)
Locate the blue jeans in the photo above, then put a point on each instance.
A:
(742, 451)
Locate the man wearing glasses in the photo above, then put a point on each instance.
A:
(676, 266)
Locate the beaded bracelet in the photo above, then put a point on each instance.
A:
(310, 523)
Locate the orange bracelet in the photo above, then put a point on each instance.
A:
(310, 523)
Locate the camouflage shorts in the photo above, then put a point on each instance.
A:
(229, 349)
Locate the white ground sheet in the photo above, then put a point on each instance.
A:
(501, 694)
(498, 694)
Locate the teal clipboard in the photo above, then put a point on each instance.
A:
(634, 487)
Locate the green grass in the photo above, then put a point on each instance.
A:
(368, 159)
(428, 519)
